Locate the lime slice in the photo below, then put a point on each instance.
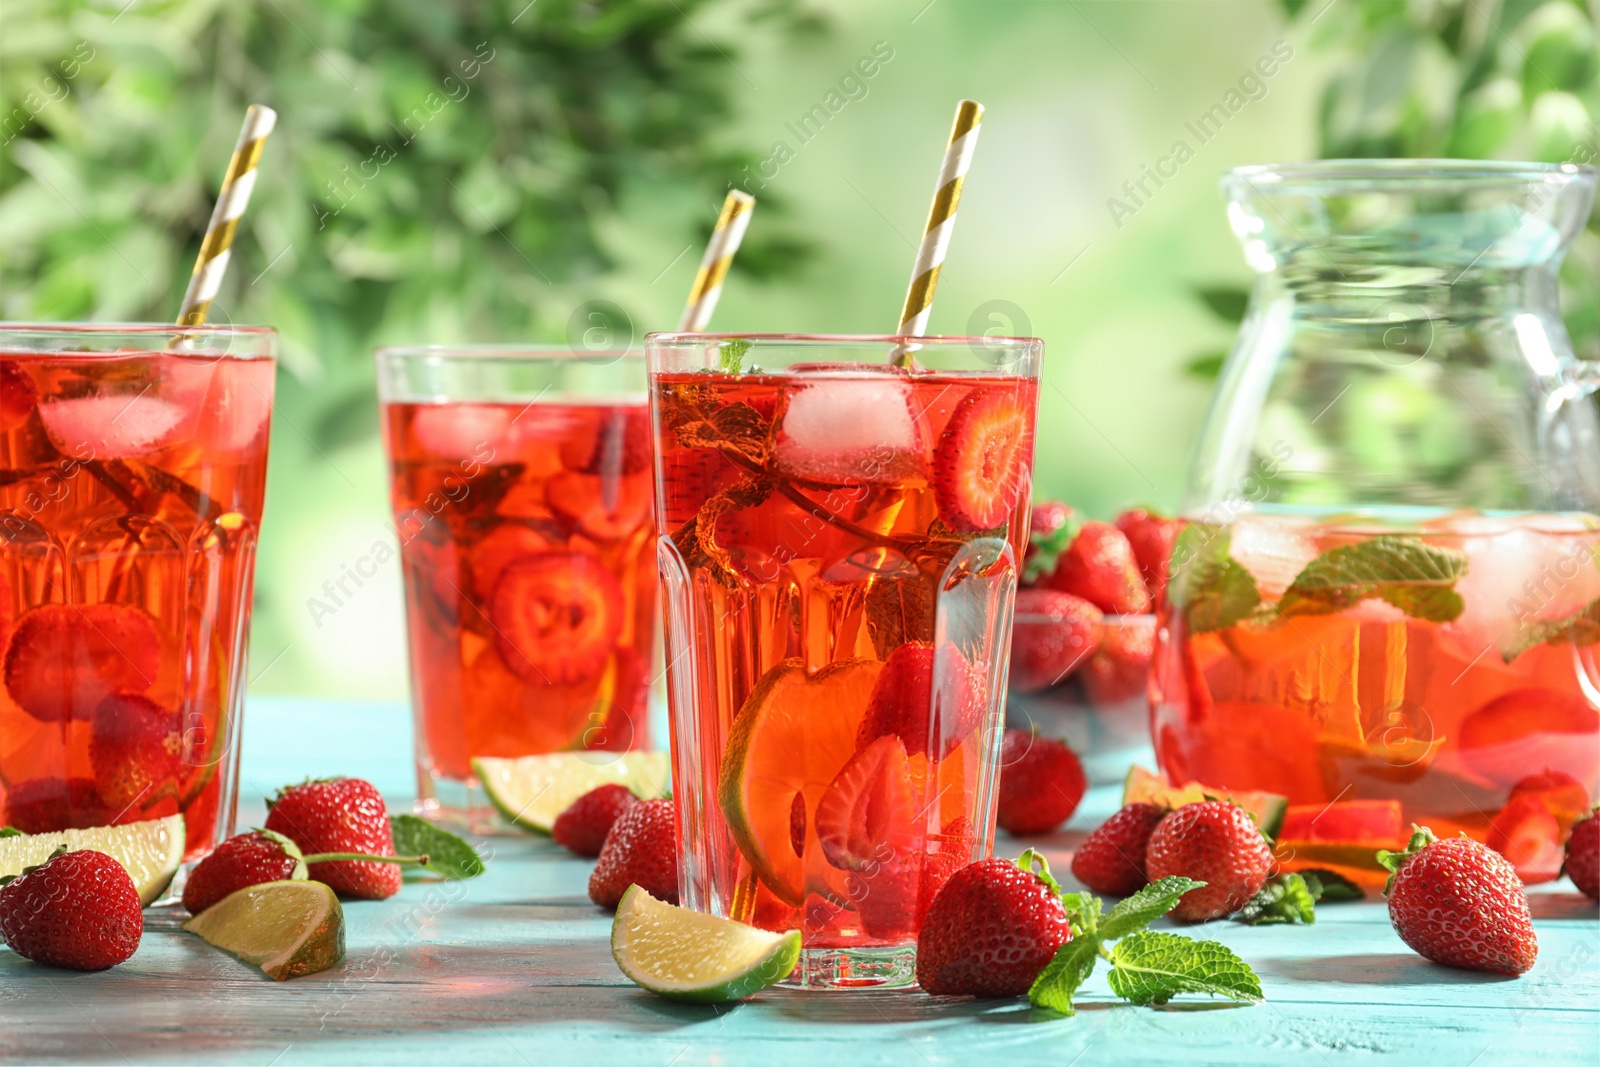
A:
(1150, 787)
(687, 955)
(151, 851)
(533, 790)
(288, 929)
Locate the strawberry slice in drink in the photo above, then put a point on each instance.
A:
(17, 395)
(64, 659)
(110, 427)
(1532, 728)
(607, 508)
(134, 747)
(980, 468)
(503, 545)
(867, 817)
(45, 805)
(612, 441)
(556, 616)
(931, 701)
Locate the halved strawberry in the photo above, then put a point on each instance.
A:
(65, 659)
(508, 541)
(981, 467)
(1526, 833)
(556, 616)
(1119, 670)
(867, 816)
(110, 427)
(17, 395)
(134, 748)
(45, 805)
(1563, 795)
(609, 441)
(930, 700)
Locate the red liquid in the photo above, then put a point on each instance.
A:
(530, 580)
(130, 504)
(802, 550)
(1449, 720)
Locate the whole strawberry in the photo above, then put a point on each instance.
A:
(990, 931)
(1053, 633)
(1111, 859)
(77, 910)
(642, 850)
(1041, 783)
(1151, 536)
(1460, 903)
(583, 826)
(931, 699)
(1213, 842)
(1099, 566)
(1583, 855)
(340, 815)
(240, 861)
(1119, 670)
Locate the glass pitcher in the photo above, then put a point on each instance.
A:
(1386, 604)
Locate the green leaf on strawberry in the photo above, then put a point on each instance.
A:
(1288, 898)
(1581, 628)
(1330, 887)
(1061, 978)
(10, 831)
(449, 856)
(1146, 906)
(1152, 967)
(1213, 590)
(1046, 549)
(1414, 576)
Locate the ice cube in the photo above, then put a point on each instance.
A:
(1533, 569)
(1274, 549)
(463, 431)
(850, 430)
(110, 426)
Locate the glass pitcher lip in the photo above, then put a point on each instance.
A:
(1442, 174)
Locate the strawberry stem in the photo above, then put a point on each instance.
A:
(362, 857)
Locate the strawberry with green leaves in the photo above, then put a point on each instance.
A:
(78, 910)
(1219, 846)
(1460, 903)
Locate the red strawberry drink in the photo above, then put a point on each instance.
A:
(840, 545)
(521, 492)
(132, 468)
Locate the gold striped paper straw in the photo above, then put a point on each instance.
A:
(941, 220)
(215, 249)
(725, 238)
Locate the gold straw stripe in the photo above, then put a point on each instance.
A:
(921, 295)
(196, 315)
(224, 225)
(215, 243)
(724, 242)
(244, 159)
(968, 114)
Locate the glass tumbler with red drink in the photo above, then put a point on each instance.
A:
(839, 548)
(132, 470)
(520, 480)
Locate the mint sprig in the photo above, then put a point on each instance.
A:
(730, 357)
(1414, 576)
(1288, 898)
(1581, 628)
(1212, 589)
(1146, 967)
(448, 855)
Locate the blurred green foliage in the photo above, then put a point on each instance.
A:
(1466, 79)
(439, 171)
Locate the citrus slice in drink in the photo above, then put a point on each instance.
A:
(150, 851)
(533, 790)
(1148, 787)
(792, 737)
(687, 955)
(288, 929)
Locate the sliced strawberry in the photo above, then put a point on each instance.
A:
(930, 701)
(18, 395)
(690, 477)
(607, 508)
(1119, 670)
(981, 467)
(110, 427)
(1099, 566)
(1053, 633)
(45, 805)
(1563, 795)
(1151, 537)
(556, 616)
(508, 541)
(610, 441)
(1527, 833)
(134, 748)
(65, 659)
(867, 816)
(1531, 726)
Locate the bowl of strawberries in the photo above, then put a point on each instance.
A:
(1085, 629)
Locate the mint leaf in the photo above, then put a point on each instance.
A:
(10, 831)
(1414, 576)
(449, 856)
(1062, 976)
(1152, 967)
(1046, 549)
(1581, 628)
(1083, 913)
(1330, 887)
(1212, 590)
(731, 356)
(1288, 898)
(1145, 906)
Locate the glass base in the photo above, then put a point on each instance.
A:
(855, 968)
(456, 805)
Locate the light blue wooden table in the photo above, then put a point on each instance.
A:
(514, 968)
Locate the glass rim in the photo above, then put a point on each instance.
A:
(671, 337)
(1296, 177)
(134, 328)
(497, 350)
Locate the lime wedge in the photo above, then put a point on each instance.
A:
(151, 851)
(288, 929)
(1150, 787)
(687, 955)
(533, 790)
